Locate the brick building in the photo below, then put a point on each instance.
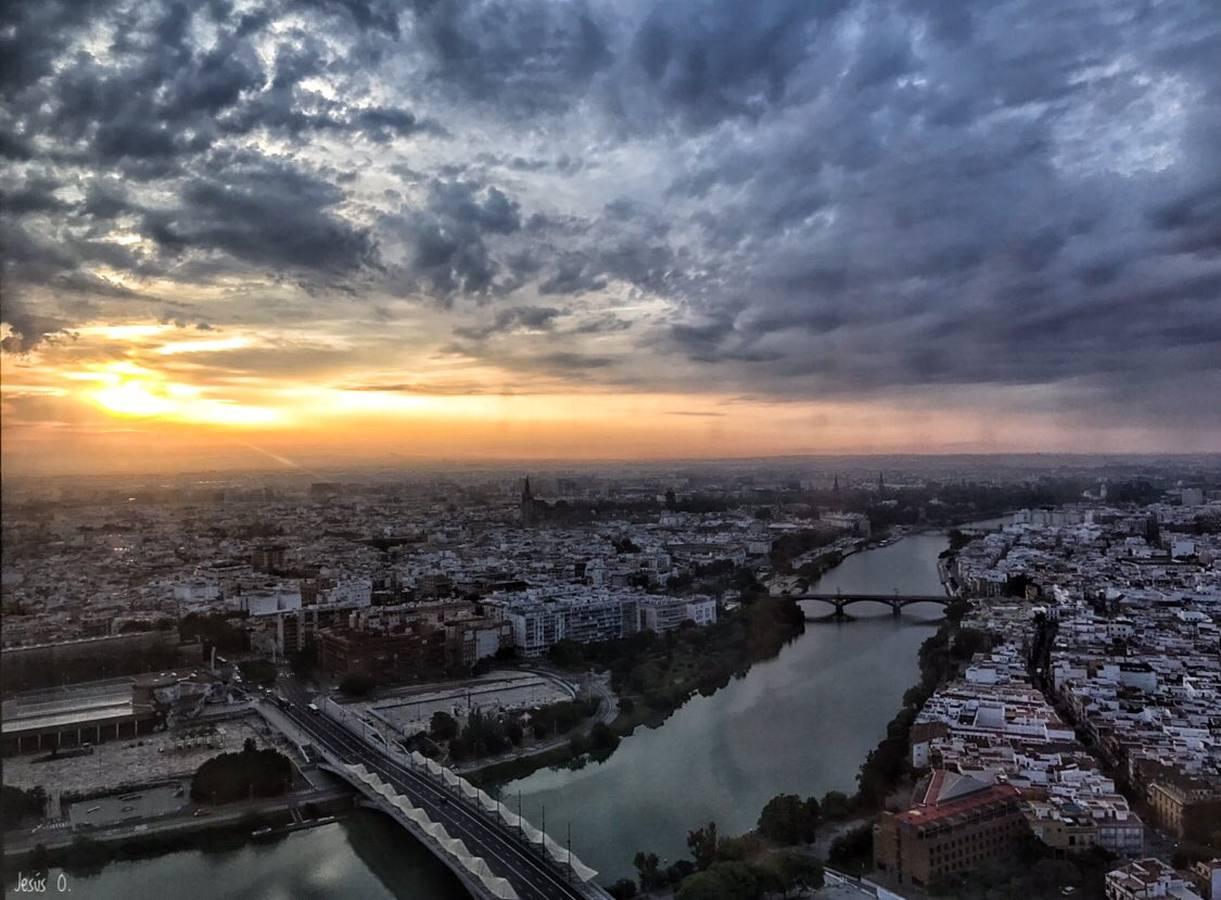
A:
(401, 654)
(956, 824)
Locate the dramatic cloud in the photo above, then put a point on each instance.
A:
(997, 208)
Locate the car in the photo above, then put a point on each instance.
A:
(201, 812)
(313, 707)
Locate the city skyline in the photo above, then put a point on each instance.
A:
(257, 233)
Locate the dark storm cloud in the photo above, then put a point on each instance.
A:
(525, 56)
(535, 318)
(708, 61)
(810, 199)
(449, 235)
(266, 213)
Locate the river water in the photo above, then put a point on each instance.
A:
(799, 723)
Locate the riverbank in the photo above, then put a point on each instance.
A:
(84, 851)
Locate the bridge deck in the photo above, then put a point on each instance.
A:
(506, 852)
(881, 598)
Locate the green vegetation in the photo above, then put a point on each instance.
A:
(852, 851)
(774, 874)
(788, 547)
(702, 842)
(940, 658)
(18, 804)
(482, 735)
(655, 674)
(787, 819)
(357, 684)
(443, 726)
(623, 889)
(242, 776)
(743, 866)
(836, 806)
(558, 718)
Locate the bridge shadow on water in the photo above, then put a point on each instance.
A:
(400, 862)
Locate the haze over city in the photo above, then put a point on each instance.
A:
(244, 231)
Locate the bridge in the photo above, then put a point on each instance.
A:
(896, 602)
(492, 851)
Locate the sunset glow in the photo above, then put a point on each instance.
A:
(604, 232)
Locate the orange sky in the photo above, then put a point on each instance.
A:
(143, 396)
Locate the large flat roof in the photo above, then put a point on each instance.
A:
(76, 708)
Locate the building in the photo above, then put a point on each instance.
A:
(660, 614)
(532, 509)
(415, 651)
(539, 623)
(702, 611)
(1147, 879)
(1206, 876)
(87, 659)
(1188, 808)
(268, 599)
(73, 717)
(956, 824)
(470, 640)
(268, 558)
(284, 632)
(1192, 496)
(857, 523)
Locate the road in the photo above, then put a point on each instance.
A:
(506, 852)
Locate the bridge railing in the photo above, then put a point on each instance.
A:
(455, 783)
(435, 832)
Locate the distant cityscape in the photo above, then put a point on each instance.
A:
(245, 655)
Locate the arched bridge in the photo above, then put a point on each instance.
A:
(896, 602)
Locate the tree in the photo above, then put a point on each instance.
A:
(566, 654)
(17, 804)
(836, 804)
(795, 870)
(723, 881)
(443, 726)
(623, 889)
(853, 849)
(602, 739)
(702, 842)
(787, 819)
(242, 776)
(357, 684)
(671, 500)
(648, 867)
(249, 746)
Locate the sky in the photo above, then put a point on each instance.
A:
(276, 233)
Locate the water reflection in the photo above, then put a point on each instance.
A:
(802, 722)
(365, 856)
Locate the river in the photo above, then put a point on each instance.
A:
(799, 723)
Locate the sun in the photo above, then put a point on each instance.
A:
(132, 391)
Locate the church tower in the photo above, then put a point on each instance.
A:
(527, 504)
